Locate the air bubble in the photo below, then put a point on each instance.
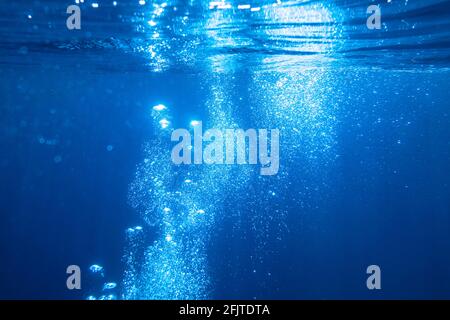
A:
(109, 285)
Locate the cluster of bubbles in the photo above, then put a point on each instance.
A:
(182, 205)
(107, 288)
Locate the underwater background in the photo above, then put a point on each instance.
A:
(86, 177)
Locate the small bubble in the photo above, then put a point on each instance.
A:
(57, 159)
(164, 123)
(95, 268)
(109, 285)
(109, 147)
(159, 107)
(23, 50)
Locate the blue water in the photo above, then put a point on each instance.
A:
(85, 169)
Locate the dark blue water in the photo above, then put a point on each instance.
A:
(364, 149)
